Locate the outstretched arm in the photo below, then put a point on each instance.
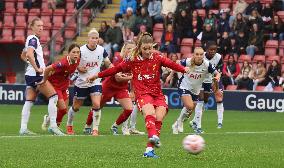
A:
(174, 66)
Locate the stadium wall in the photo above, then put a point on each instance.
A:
(233, 100)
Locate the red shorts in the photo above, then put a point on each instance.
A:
(109, 93)
(156, 101)
(62, 94)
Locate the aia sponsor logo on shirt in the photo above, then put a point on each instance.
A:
(92, 64)
(146, 77)
(194, 76)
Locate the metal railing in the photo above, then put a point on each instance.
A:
(78, 18)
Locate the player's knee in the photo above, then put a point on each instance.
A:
(189, 107)
(53, 98)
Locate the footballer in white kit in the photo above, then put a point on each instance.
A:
(93, 56)
(190, 83)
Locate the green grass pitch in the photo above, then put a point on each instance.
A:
(248, 139)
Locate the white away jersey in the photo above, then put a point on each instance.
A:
(32, 41)
(92, 60)
(193, 80)
(217, 62)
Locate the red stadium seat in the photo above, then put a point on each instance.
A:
(11, 77)
(20, 5)
(270, 51)
(31, 17)
(281, 14)
(185, 50)
(21, 22)
(57, 19)
(44, 5)
(197, 43)
(46, 12)
(10, 5)
(69, 33)
(70, 5)
(259, 88)
(231, 87)
(281, 48)
(158, 27)
(46, 18)
(34, 12)
(188, 55)
(59, 12)
(20, 35)
(10, 11)
(6, 36)
(187, 42)
(282, 68)
(269, 59)
(243, 58)
(278, 89)
(224, 5)
(257, 58)
(271, 43)
(57, 47)
(22, 11)
(8, 21)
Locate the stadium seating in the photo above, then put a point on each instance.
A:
(271, 47)
(257, 58)
(259, 88)
(243, 58)
(281, 49)
(278, 89)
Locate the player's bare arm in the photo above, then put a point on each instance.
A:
(82, 69)
(107, 62)
(24, 56)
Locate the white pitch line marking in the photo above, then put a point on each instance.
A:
(213, 133)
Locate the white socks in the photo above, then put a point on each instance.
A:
(71, 114)
(220, 111)
(52, 110)
(198, 113)
(96, 118)
(26, 114)
(133, 117)
(184, 114)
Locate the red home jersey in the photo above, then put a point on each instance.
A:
(63, 69)
(146, 73)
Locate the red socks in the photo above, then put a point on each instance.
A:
(123, 116)
(60, 114)
(158, 127)
(90, 118)
(150, 125)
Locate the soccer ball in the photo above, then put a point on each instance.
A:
(193, 144)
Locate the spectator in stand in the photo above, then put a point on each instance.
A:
(239, 24)
(52, 4)
(32, 4)
(255, 41)
(281, 81)
(234, 47)
(114, 37)
(247, 67)
(204, 4)
(242, 41)
(168, 6)
(128, 35)
(240, 7)
(184, 5)
(277, 29)
(154, 9)
(103, 30)
(208, 34)
(142, 29)
(255, 18)
(255, 5)
(166, 71)
(223, 25)
(129, 19)
(169, 40)
(258, 74)
(143, 19)
(141, 4)
(272, 76)
(210, 19)
(170, 19)
(2, 78)
(184, 25)
(231, 70)
(267, 13)
(278, 5)
(198, 19)
(245, 83)
(224, 44)
(124, 4)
